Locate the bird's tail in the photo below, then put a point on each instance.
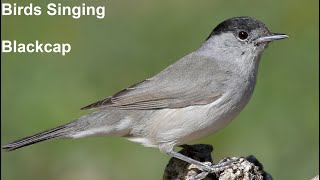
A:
(58, 132)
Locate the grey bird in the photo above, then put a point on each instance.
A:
(192, 98)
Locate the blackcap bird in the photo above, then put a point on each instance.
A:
(192, 98)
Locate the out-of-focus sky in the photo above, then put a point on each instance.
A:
(136, 40)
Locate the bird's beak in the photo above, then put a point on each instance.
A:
(272, 37)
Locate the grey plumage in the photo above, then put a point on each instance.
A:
(190, 99)
(173, 88)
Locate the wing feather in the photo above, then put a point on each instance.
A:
(174, 87)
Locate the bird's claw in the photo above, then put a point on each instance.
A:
(221, 166)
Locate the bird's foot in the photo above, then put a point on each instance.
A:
(215, 168)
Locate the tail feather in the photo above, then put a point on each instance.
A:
(54, 133)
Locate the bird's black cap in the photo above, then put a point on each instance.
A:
(238, 23)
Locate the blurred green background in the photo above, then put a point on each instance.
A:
(136, 40)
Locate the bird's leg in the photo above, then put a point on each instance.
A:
(212, 169)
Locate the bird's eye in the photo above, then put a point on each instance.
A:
(243, 35)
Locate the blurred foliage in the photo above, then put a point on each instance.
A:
(136, 40)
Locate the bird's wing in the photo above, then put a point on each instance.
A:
(194, 80)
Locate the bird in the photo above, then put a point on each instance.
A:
(192, 98)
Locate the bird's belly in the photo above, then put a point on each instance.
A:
(180, 126)
(213, 120)
(183, 125)
(219, 113)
